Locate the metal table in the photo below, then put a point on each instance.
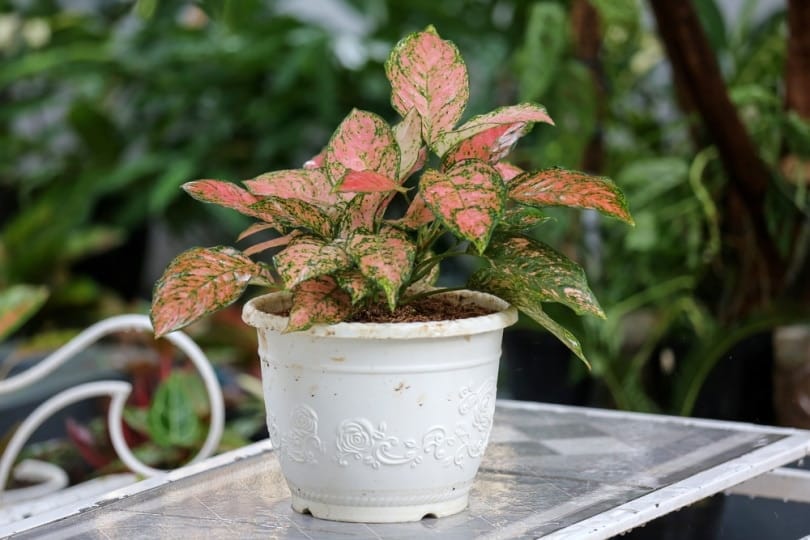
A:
(550, 472)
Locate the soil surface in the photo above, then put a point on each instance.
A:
(431, 308)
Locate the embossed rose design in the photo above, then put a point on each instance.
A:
(355, 438)
(304, 420)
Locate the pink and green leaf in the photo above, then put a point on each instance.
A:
(229, 195)
(297, 213)
(318, 301)
(364, 213)
(309, 185)
(428, 74)
(201, 281)
(368, 182)
(408, 135)
(417, 214)
(362, 142)
(529, 301)
(354, 283)
(519, 118)
(508, 171)
(386, 258)
(316, 162)
(562, 187)
(469, 198)
(308, 257)
(529, 266)
(491, 145)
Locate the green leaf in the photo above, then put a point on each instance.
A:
(318, 300)
(429, 75)
(469, 198)
(561, 187)
(355, 283)
(385, 258)
(172, 419)
(201, 281)
(544, 44)
(17, 304)
(307, 257)
(526, 266)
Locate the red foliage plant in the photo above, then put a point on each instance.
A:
(340, 252)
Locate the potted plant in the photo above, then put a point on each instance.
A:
(379, 386)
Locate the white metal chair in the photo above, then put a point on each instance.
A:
(49, 489)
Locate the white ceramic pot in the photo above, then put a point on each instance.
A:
(380, 422)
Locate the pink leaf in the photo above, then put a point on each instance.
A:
(309, 185)
(297, 213)
(561, 187)
(200, 281)
(469, 198)
(418, 214)
(228, 195)
(269, 244)
(253, 229)
(428, 74)
(524, 115)
(368, 182)
(318, 300)
(316, 162)
(308, 257)
(507, 170)
(490, 145)
(385, 258)
(362, 142)
(408, 135)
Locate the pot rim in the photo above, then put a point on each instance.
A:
(258, 313)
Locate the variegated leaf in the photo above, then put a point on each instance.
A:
(368, 182)
(364, 213)
(408, 135)
(520, 219)
(418, 214)
(561, 187)
(469, 198)
(528, 265)
(507, 170)
(362, 142)
(316, 301)
(201, 281)
(429, 75)
(309, 185)
(307, 257)
(529, 301)
(228, 195)
(520, 117)
(385, 258)
(354, 283)
(297, 213)
(491, 145)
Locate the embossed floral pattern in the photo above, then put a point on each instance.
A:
(359, 440)
(301, 443)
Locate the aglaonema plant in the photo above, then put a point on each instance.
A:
(338, 249)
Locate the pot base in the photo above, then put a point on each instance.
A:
(379, 514)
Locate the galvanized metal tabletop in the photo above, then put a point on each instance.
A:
(550, 472)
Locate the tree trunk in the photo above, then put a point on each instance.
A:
(749, 248)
